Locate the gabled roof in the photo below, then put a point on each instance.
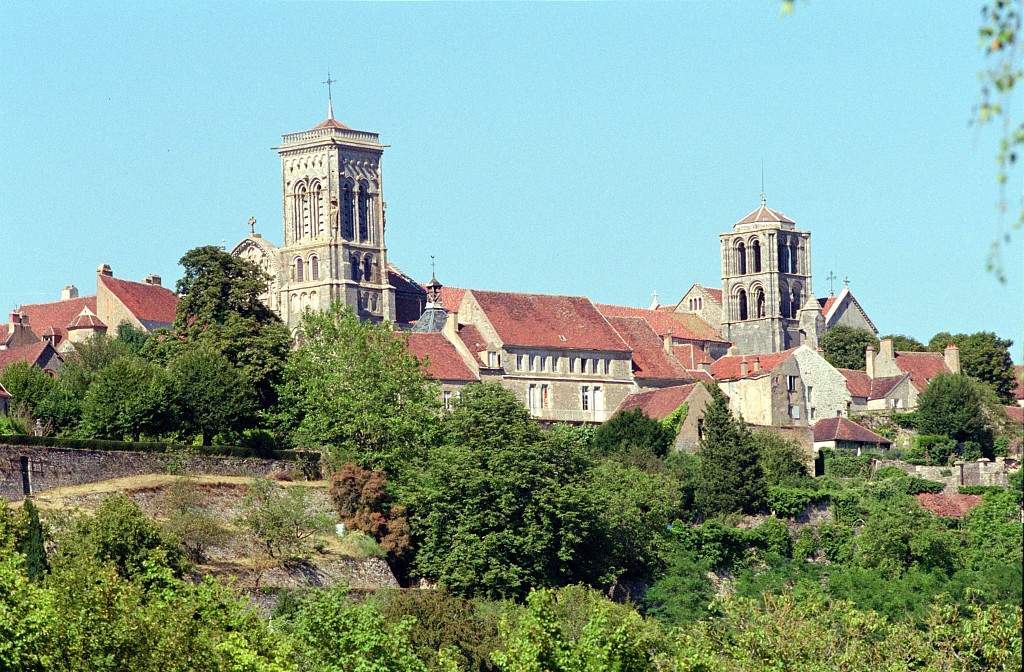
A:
(948, 506)
(728, 367)
(690, 356)
(152, 305)
(681, 325)
(56, 314)
(658, 404)
(472, 337)
(650, 361)
(922, 366)
(547, 321)
(409, 296)
(86, 320)
(860, 385)
(443, 360)
(844, 429)
(37, 354)
(831, 304)
(826, 304)
(714, 293)
(765, 214)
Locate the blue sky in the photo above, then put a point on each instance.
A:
(592, 149)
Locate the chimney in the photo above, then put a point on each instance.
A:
(451, 325)
(666, 343)
(104, 269)
(952, 356)
(869, 361)
(14, 319)
(885, 350)
(152, 279)
(757, 363)
(69, 292)
(743, 367)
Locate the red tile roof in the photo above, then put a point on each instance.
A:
(472, 337)
(690, 356)
(152, 305)
(57, 314)
(443, 360)
(1018, 374)
(650, 361)
(844, 429)
(728, 367)
(826, 304)
(451, 297)
(86, 319)
(765, 214)
(948, 506)
(860, 385)
(682, 325)
(658, 404)
(922, 366)
(36, 354)
(332, 123)
(545, 321)
(715, 294)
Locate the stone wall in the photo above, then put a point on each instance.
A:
(46, 468)
(980, 472)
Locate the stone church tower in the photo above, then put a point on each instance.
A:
(766, 284)
(333, 226)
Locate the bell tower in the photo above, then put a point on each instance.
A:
(766, 281)
(333, 218)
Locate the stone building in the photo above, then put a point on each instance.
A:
(845, 310)
(825, 391)
(876, 394)
(334, 225)
(765, 389)
(844, 434)
(659, 403)
(920, 367)
(705, 302)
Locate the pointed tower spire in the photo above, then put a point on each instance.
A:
(763, 200)
(330, 101)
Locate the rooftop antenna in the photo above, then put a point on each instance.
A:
(330, 102)
(762, 184)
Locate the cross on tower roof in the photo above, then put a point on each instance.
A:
(330, 102)
(831, 277)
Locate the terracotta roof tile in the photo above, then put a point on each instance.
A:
(715, 294)
(682, 325)
(547, 321)
(152, 305)
(880, 387)
(451, 297)
(844, 429)
(690, 356)
(857, 382)
(56, 314)
(443, 360)
(86, 319)
(658, 404)
(948, 506)
(765, 214)
(826, 304)
(650, 361)
(472, 337)
(36, 354)
(728, 367)
(332, 123)
(922, 366)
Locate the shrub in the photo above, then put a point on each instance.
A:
(931, 449)
(282, 519)
(979, 489)
(970, 450)
(917, 485)
(789, 502)
(848, 466)
(628, 430)
(905, 420)
(360, 545)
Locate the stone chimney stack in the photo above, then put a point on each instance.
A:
(104, 269)
(757, 363)
(153, 279)
(885, 350)
(952, 356)
(743, 367)
(666, 342)
(869, 361)
(69, 292)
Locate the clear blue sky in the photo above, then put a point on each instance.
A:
(592, 149)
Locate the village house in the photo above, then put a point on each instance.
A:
(764, 389)
(921, 367)
(845, 434)
(658, 404)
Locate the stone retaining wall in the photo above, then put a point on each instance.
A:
(40, 468)
(981, 472)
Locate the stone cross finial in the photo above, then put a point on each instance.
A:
(330, 102)
(831, 277)
(846, 282)
(252, 225)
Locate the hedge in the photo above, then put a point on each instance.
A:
(790, 502)
(154, 447)
(979, 489)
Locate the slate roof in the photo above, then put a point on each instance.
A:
(650, 361)
(682, 325)
(443, 360)
(728, 367)
(860, 385)
(844, 429)
(658, 404)
(56, 314)
(548, 321)
(765, 214)
(152, 305)
(948, 506)
(922, 366)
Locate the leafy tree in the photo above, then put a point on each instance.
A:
(844, 347)
(983, 355)
(783, 461)
(33, 544)
(87, 358)
(951, 406)
(354, 389)
(25, 618)
(133, 339)
(730, 477)
(630, 430)
(211, 394)
(220, 307)
(28, 385)
(498, 518)
(363, 503)
(899, 535)
(128, 398)
(282, 519)
(189, 519)
(683, 593)
(901, 343)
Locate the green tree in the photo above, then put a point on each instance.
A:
(354, 389)
(631, 430)
(730, 478)
(130, 397)
(901, 343)
(951, 406)
(33, 544)
(844, 347)
(28, 385)
(783, 461)
(984, 356)
(133, 339)
(683, 593)
(220, 308)
(212, 395)
(282, 519)
(189, 518)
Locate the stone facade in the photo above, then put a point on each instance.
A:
(704, 302)
(981, 472)
(775, 398)
(826, 394)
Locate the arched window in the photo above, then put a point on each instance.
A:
(314, 267)
(793, 258)
(759, 302)
(368, 268)
(364, 211)
(741, 303)
(741, 258)
(354, 263)
(783, 257)
(794, 305)
(316, 217)
(346, 213)
(755, 248)
(298, 269)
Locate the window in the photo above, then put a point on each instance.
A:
(812, 413)
(545, 398)
(756, 249)
(364, 212)
(607, 366)
(368, 268)
(794, 412)
(298, 269)
(810, 390)
(533, 398)
(598, 398)
(493, 360)
(314, 268)
(447, 396)
(741, 259)
(741, 303)
(347, 229)
(759, 302)
(791, 383)
(585, 397)
(700, 429)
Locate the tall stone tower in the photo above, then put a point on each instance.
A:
(331, 194)
(766, 281)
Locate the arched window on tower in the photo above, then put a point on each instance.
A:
(794, 257)
(364, 211)
(298, 269)
(794, 305)
(303, 195)
(741, 258)
(755, 248)
(354, 263)
(783, 257)
(346, 213)
(316, 216)
(314, 267)
(759, 302)
(741, 304)
(368, 268)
